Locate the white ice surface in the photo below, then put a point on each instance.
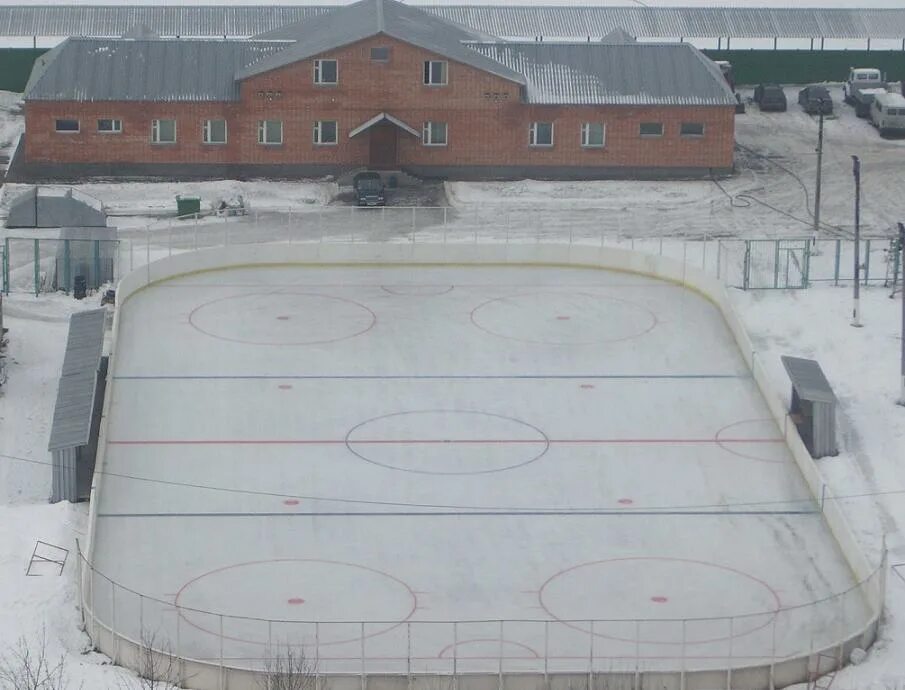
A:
(535, 502)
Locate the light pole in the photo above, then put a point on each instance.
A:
(856, 307)
(902, 291)
(819, 174)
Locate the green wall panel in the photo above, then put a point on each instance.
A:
(15, 66)
(807, 66)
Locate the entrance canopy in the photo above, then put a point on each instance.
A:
(384, 117)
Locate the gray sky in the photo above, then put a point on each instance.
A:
(650, 3)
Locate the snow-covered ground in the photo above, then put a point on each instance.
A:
(861, 363)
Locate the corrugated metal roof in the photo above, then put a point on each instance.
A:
(75, 395)
(85, 69)
(627, 74)
(808, 379)
(365, 18)
(507, 21)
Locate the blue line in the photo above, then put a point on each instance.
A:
(431, 377)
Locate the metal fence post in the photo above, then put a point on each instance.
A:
(408, 653)
(221, 685)
(591, 659)
(547, 655)
(67, 265)
(684, 652)
(362, 655)
(37, 267)
(836, 262)
(866, 261)
(113, 620)
(455, 669)
(6, 265)
(500, 675)
(637, 683)
(729, 664)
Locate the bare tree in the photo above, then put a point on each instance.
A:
(288, 668)
(157, 667)
(30, 668)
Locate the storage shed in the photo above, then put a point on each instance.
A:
(80, 397)
(54, 208)
(813, 406)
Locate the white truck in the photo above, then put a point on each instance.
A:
(862, 85)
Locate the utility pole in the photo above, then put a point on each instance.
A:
(902, 292)
(819, 174)
(856, 307)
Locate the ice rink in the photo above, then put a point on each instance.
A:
(351, 458)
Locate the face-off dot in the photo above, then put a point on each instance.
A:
(625, 501)
(290, 502)
(282, 318)
(295, 601)
(587, 386)
(659, 599)
(285, 387)
(563, 318)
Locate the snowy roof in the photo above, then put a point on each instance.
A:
(808, 379)
(54, 208)
(351, 23)
(75, 396)
(83, 69)
(621, 74)
(510, 20)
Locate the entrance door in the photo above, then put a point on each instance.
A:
(383, 146)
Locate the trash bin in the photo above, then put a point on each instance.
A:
(79, 287)
(188, 206)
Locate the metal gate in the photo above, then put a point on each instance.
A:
(776, 264)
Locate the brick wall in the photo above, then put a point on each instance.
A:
(488, 124)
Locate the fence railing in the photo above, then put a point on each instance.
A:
(42, 265)
(200, 641)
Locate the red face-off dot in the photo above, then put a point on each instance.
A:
(625, 501)
(563, 318)
(659, 599)
(290, 502)
(587, 386)
(282, 318)
(284, 387)
(295, 601)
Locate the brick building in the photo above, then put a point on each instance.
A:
(375, 84)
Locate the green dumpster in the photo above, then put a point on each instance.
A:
(188, 206)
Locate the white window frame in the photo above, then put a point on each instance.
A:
(318, 133)
(428, 75)
(532, 135)
(264, 130)
(650, 136)
(318, 71)
(116, 125)
(695, 135)
(58, 120)
(155, 130)
(206, 132)
(429, 131)
(586, 135)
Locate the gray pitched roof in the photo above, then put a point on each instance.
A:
(75, 396)
(54, 210)
(618, 36)
(808, 379)
(510, 20)
(84, 69)
(352, 23)
(624, 74)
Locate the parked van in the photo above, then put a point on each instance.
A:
(887, 113)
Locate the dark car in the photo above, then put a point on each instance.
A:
(815, 100)
(369, 189)
(770, 97)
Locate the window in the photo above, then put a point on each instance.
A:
(163, 131)
(380, 54)
(109, 126)
(692, 129)
(325, 71)
(214, 132)
(270, 132)
(593, 134)
(435, 72)
(541, 134)
(651, 129)
(67, 126)
(325, 132)
(434, 134)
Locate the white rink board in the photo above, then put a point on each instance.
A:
(408, 445)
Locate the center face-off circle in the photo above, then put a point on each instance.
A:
(447, 442)
(282, 318)
(623, 589)
(563, 318)
(300, 590)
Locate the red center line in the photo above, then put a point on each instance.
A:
(435, 441)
